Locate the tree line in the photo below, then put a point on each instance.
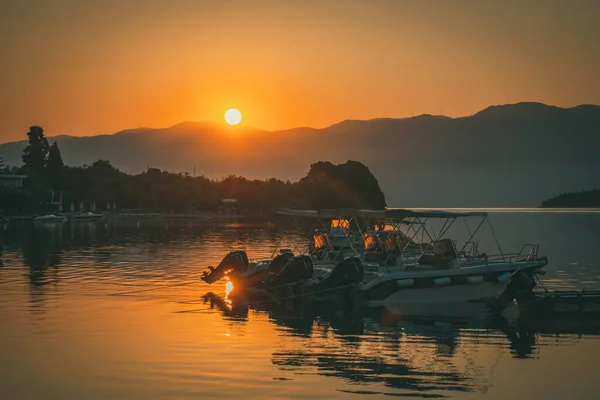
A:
(49, 180)
(584, 199)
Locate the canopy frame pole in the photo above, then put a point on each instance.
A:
(425, 231)
(496, 239)
(414, 236)
(296, 245)
(444, 229)
(346, 233)
(470, 236)
(474, 233)
(363, 230)
(396, 239)
(278, 244)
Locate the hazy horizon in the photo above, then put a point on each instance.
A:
(87, 68)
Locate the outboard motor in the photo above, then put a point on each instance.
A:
(295, 270)
(279, 262)
(234, 261)
(520, 287)
(345, 273)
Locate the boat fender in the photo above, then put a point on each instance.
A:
(442, 281)
(503, 277)
(475, 279)
(405, 282)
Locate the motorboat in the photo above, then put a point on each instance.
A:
(406, 261)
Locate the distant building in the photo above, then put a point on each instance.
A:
(12, 181)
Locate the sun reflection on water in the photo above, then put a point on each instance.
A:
(228, 287)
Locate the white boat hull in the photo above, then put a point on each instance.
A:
(447, 294)
(468, 300)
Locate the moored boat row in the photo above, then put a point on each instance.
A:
(63, 217)
(399, 261)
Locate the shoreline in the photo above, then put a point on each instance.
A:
(110, 217)
(217, 217)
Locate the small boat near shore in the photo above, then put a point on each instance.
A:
(50, 218)
(87, 216)
(402, 262)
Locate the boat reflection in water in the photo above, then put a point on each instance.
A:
(426, 355)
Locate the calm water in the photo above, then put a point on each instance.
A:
(117, 311)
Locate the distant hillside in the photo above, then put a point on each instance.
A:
(511, 155)
(586, 199)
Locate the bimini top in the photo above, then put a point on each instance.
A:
(404, 213)
(395, 213)
(296, 213)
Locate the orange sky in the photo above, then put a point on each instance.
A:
(84, 68)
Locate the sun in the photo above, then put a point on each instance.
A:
(233, 116)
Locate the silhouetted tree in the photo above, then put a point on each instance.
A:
(105, 167)
(2, 165)
(337, 186)
(55, 164)
(35, 154)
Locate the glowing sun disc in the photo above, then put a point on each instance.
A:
(233, 116)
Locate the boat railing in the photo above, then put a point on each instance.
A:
(471, 249)
(529, 252)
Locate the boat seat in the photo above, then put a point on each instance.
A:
(279, 262)
(295, 270)
(444, 255)
(435, 260)
(373, 256)
(347, 272)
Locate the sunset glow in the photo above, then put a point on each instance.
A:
(286, 64)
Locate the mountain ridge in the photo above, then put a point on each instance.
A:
(506, 155)
(186, 124)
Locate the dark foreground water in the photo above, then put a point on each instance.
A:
(116, 311)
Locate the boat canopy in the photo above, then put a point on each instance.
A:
(400, 213)
(296, 213)
(397, 213)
